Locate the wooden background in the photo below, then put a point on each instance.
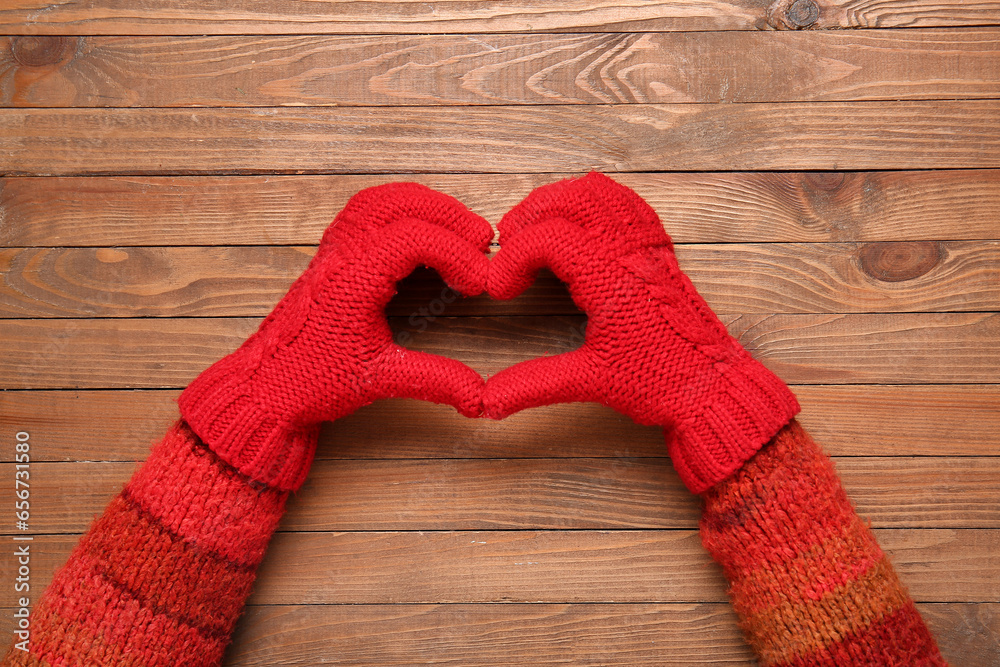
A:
(829, 172)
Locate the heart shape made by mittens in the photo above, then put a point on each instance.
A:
(652, 349)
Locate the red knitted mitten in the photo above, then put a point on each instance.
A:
(653, 349)
(326, 349)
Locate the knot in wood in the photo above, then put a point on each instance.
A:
(825, 181)
(41, 50)
(896, 261)
(802, 13)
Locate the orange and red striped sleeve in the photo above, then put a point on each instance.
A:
(807, 579)
(159, 579)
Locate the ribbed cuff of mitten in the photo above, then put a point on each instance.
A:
(220, 409)
(751, 405)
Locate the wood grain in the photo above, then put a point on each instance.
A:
(633, 634)
(96, 425)
(970, 633)
(694, 207)
(627, 634)
(902, 420)
(733, 278)
(896, 348)
(845, 278)
(160, 17)
(903, 348)
(847, 420)
(147, 282)
(158, 354)
(314, 70)
(641, 566)
(503, 139)
(530, 494)
(575, 566)
(616, 634)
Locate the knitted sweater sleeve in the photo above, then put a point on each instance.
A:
(161, 577)
(807, 579)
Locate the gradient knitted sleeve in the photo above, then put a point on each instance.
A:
(161, 577)
(807, 579)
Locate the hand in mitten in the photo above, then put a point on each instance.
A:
(326, 349)
(652, 350)
(160, 578)
(807, 579)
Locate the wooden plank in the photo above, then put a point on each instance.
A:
(901, 420)
(635, 634)
(734, 278)
(576, 566)
(314, 70)
(694, 207)
(926, 491)
(847, 420)
(160, 17)
(493, 494)
(159, 354)
(937, 565)
(503, 139)
(87, 425)
(969, 634)
(616, 634)
(876, 348)
(532, 494)
(148, 282)
(902, 348)
(884, 277)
